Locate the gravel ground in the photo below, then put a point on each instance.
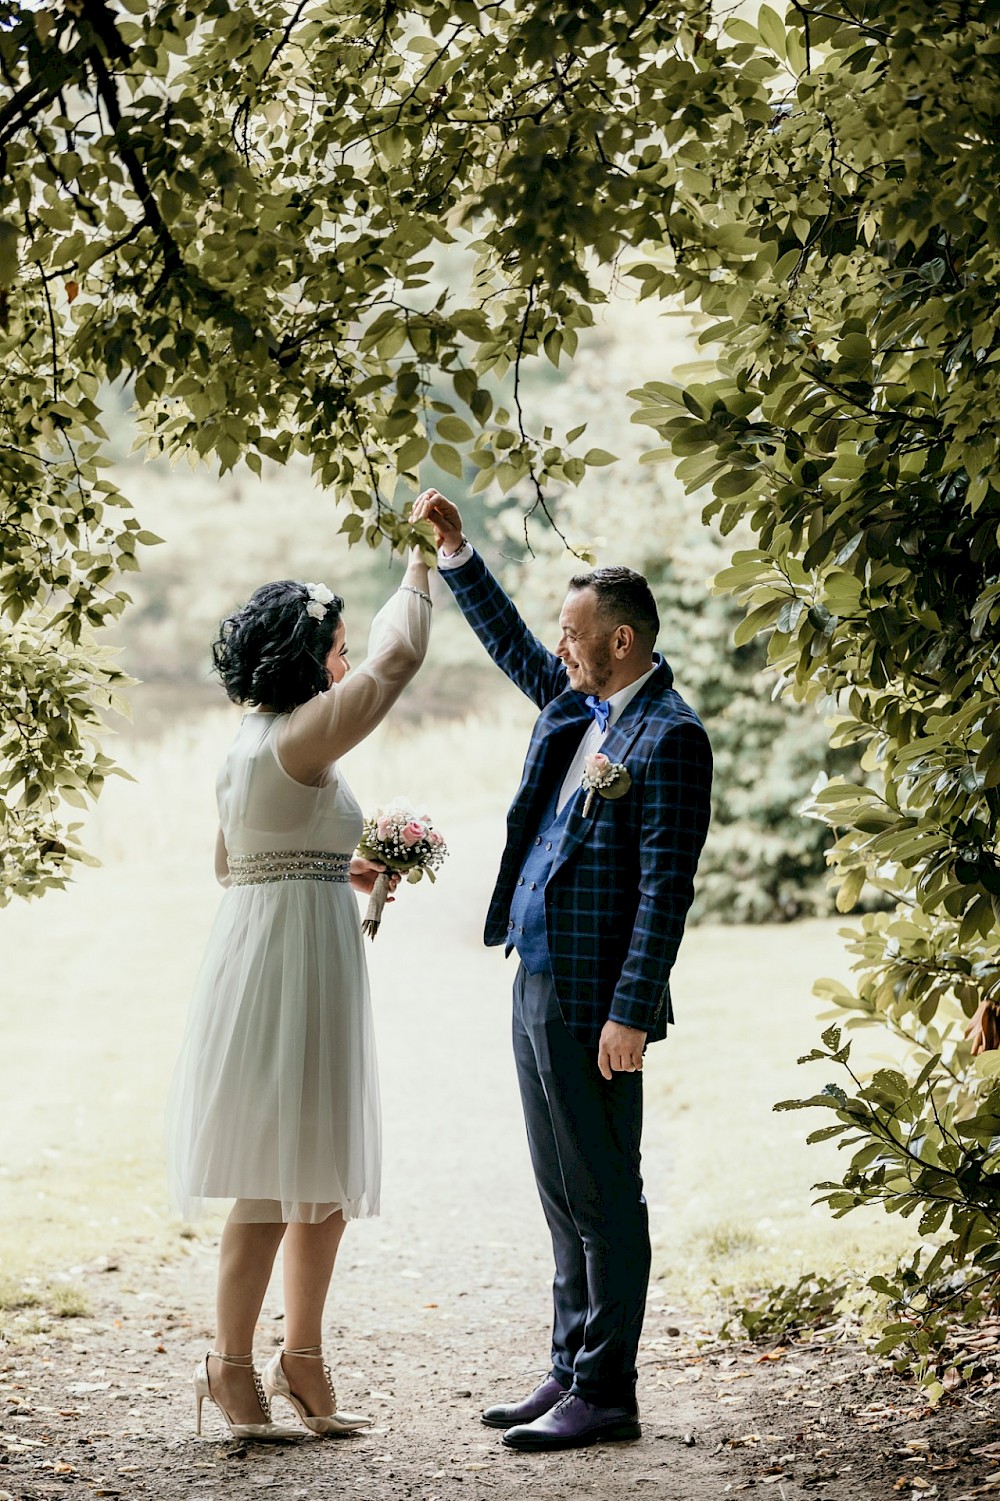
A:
(442, 1306)
(438, 1308)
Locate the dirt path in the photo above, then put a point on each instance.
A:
(441, 1306)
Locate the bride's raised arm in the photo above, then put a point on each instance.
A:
(327, 726)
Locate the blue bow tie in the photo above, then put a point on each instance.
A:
(600, 710)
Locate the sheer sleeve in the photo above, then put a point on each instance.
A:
(326, 727)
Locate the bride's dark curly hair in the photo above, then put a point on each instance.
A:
(272, 651)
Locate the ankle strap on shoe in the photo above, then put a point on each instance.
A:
(311, 1352)
(241, 1360)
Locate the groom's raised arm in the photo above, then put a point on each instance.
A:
(537, 671)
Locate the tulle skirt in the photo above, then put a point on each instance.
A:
(275, 1098)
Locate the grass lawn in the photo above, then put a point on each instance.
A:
(742, 1212)
(96, 982)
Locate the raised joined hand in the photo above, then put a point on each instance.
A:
(445, 518)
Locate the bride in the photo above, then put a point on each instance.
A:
(274, 1101)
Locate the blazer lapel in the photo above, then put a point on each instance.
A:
(553, 741)
(616, 745)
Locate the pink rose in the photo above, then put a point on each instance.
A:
(600, 760)
(435, 837)
(412, 833)
(384, 826)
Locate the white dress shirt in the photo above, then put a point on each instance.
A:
(455, 559)
(592, 740)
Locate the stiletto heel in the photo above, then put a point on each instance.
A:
(267, 1430)
(276, 1385)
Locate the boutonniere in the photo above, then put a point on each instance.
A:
(608, 779)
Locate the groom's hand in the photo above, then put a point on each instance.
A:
(445, 518)
(620, 1049)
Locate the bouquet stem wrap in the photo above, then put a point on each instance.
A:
(376, 905)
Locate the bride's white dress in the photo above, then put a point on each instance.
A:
(275, 1098)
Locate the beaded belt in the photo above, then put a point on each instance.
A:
(289, 865)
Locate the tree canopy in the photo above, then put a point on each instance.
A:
(843, 234)
(239, 209)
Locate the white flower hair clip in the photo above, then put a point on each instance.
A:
(319, 597)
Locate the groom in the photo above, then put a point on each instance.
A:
(592, 894)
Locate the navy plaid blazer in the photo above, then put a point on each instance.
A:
(622, 878)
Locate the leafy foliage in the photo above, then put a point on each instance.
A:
(51, 693)
(776, 1313)
(839, 227)
(762, 862)
(280, 222)
(916, 1151)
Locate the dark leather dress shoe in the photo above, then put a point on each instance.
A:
(572, 1424)
(541, 1400)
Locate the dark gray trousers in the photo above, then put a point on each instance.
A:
(584, 1133)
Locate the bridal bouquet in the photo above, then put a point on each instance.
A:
(407, 844)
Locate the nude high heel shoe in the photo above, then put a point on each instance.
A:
(276, 1385)
(267, 1431)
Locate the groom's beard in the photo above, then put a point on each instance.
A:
(595, 673)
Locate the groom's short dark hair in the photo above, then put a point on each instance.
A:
(623, 598)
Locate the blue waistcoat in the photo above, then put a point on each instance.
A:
(526, 928)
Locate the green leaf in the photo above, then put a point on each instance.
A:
(446, 458)
(412, 451)
(850, 889)
(757, 620)
(454, 430)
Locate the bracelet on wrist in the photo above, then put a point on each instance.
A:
(412, 589)
(454, 554)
